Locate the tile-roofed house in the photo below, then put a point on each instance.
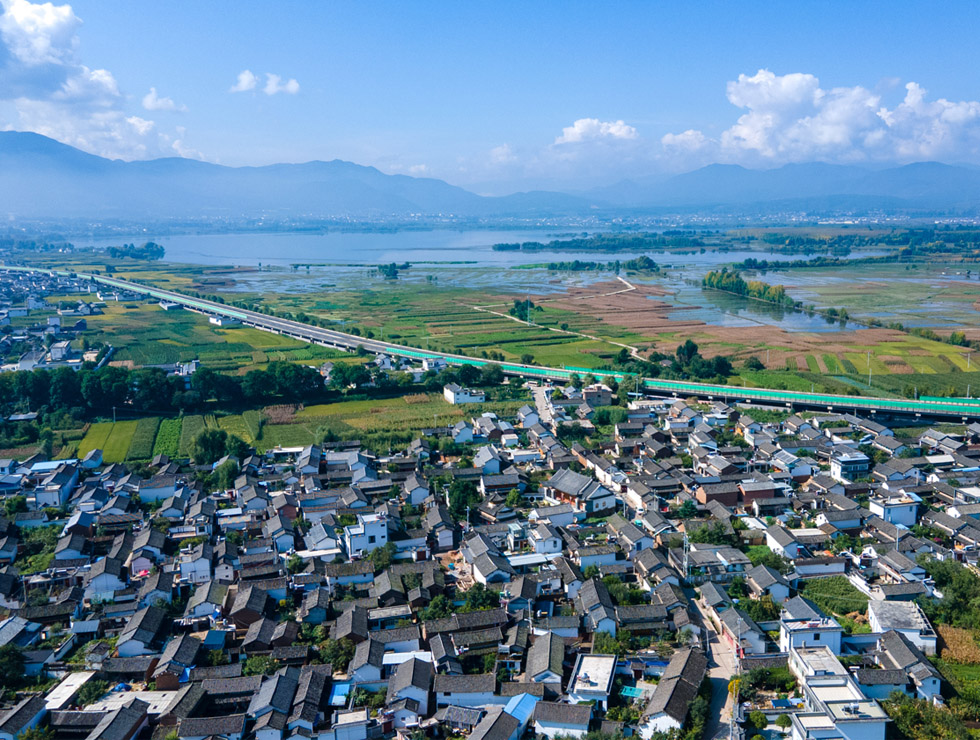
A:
(143, 633)
(678, 686)
(545, 658)
(411, 680)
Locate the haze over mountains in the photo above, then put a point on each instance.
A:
(41, 178)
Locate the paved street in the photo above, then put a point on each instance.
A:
(721, 668)
(540, 394)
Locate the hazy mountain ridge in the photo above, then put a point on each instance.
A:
(42, 178)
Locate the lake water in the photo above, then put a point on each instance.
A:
(443, 245)
(336, 262)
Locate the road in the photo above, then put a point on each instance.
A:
(721, 669)
(540, 393)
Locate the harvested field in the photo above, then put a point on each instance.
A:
(958, 645)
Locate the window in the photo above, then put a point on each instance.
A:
(816, 635)
(371, 539)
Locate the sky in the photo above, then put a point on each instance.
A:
(500, 96)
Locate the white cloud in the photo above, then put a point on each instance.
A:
(274, 85)
(45, 87)
(418, 170)
(153, 101)
(502, 154)
(37, 34)
(246, 81)
(592, 129)
(791, 118)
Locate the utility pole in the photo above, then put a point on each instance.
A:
(113, 414)
(869, 367)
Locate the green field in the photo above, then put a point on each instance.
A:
(377, 422)
(141, 446)
(192, 426)
(835, 595)
(167, 441)
(95, 439)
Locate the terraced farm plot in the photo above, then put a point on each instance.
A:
(167, 441)
(118, 441)
(95, 438)
(236, 425)
(141, 446)
(192, 426)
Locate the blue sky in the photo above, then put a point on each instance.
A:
(498, 96)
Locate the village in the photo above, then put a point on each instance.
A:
(701, 573)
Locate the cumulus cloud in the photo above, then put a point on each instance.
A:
(592, 129)
(792, 118)
(154, 101)
(246, 81)
(45, 87)
(275, 85)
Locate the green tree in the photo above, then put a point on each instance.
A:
(688, 509)
(381, 557)
(439, 608)
(227, 472)
(758, 720)
(338, 653)
(15, 505)
(12, 664)
(479, 597)
(784, 721)
(91, 692)
(514, 498)
(36, 733)
(209, 446)
(259, 665)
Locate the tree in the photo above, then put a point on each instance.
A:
(479, 597)
(688, 510)
(295, 564)
(338, 653)
(491, 374)
(381, 557)
(15, 505)
(36, 733)
(784, 721)
(259, 665)
(439, 608)
(514, 498)
(11, 664)
(209, 446)
(91, 692)
(758, 720)
(227, 472)
(216, 657)
(462, 493)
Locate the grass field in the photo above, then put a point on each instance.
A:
(118, 441)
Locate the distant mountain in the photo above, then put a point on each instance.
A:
(816, 185)
(40, 177)
(44, 179)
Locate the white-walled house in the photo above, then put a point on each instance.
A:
(370, 533)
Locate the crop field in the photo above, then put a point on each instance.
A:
(192, 426)
(141, 445)
(167, 441)
(835, 595)
(377, 422)
(95, 438)
(118, 441)
(237, 426)
(959, 645)
(145, 334)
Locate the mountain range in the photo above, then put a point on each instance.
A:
(43, 178)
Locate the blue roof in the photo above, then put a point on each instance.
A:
(42, 467)
(521, 707)
(338, 693)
